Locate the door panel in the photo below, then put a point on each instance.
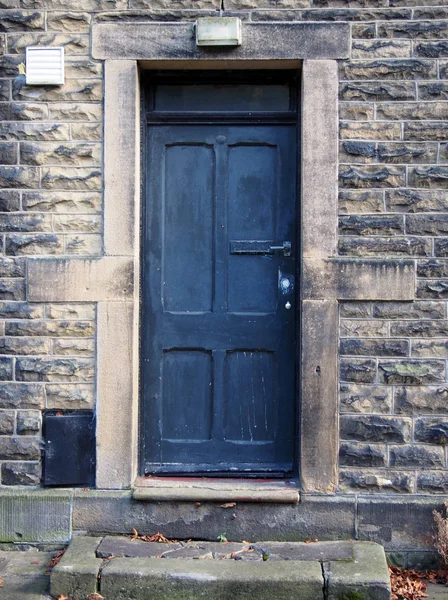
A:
(218, 342)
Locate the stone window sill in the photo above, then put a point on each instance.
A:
(201, 489)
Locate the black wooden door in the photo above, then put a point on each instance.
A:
(219, 299)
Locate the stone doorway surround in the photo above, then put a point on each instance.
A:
(113, 279)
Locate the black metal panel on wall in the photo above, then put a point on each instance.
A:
(69, 454)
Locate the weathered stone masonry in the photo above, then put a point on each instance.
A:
(393, 200)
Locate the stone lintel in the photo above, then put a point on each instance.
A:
(261, 41)
(105, 279)
(358, 279)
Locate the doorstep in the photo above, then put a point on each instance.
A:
(120, 568)
(203, 489)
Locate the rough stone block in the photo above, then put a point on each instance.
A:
(365, 399)
(409, 310)
(9, 201)
(432, 268)
(346, 14)
(5, 368)
(349, 111)
(371, 176)
(363, 30)
(24, 346)
(382, 48)
(366, 347)
(414, 29)
(370, 131)
(34, 131)
(430, 348)
(32, 244)
(432, 288)
(16, 111)
(50, 328)
(371, 225)
(20, 310)
(64, 370)
(184, 4)
(372, 481)
(84, 245)
(11, 267)
(431, 430)
(74, 178)
(385, 247)
(73, 89)
(355, 310)
(432, 482)
(25, 223)
(65, 202)
(433, 90)
(28, 422)
(415, 401)
(8, 156)
(358, 370)
(437, 49)
(425, 130)
(378, 91)
(35, 516)
(395, 153)
(19, 177)
(16, 448)
(389, 69)
(68, 22)
(414, 201)
(70, 311)
(72, 44)
(12, 289)
(416, 457)
(428, 177)
(411, 372)
(413, 111)
(79, 111)
(71, 154)
(419, 328)
(20, 473)
(77, 573)
(87, 131)
(21, 20)
(70, 396)
(360, 201)
(19, 395)
(362, 455)
(74, 347)
(375, 428)
(5, 89)
(6, 422)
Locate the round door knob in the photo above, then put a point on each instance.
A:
(288, 305)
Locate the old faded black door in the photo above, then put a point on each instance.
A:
(219, 298)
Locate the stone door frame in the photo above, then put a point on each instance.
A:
(112, 280)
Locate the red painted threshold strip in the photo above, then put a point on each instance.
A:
(204, 489)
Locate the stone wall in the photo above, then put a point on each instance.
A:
(393, 187)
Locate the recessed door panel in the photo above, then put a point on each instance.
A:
(218, 333)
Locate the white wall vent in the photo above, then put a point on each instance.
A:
(44, 66)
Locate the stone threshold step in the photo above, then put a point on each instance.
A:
(120, 568)
(214, 489)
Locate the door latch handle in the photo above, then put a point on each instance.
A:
(285, 248)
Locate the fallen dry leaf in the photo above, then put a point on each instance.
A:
(56, 558)
(1, 582)
(61, 597)
(95, 596)
(227, 505)
(411, 584)
(157, 537)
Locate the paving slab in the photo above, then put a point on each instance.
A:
(437, 592)
(154, 579)
(25, 574)
(122, 546)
